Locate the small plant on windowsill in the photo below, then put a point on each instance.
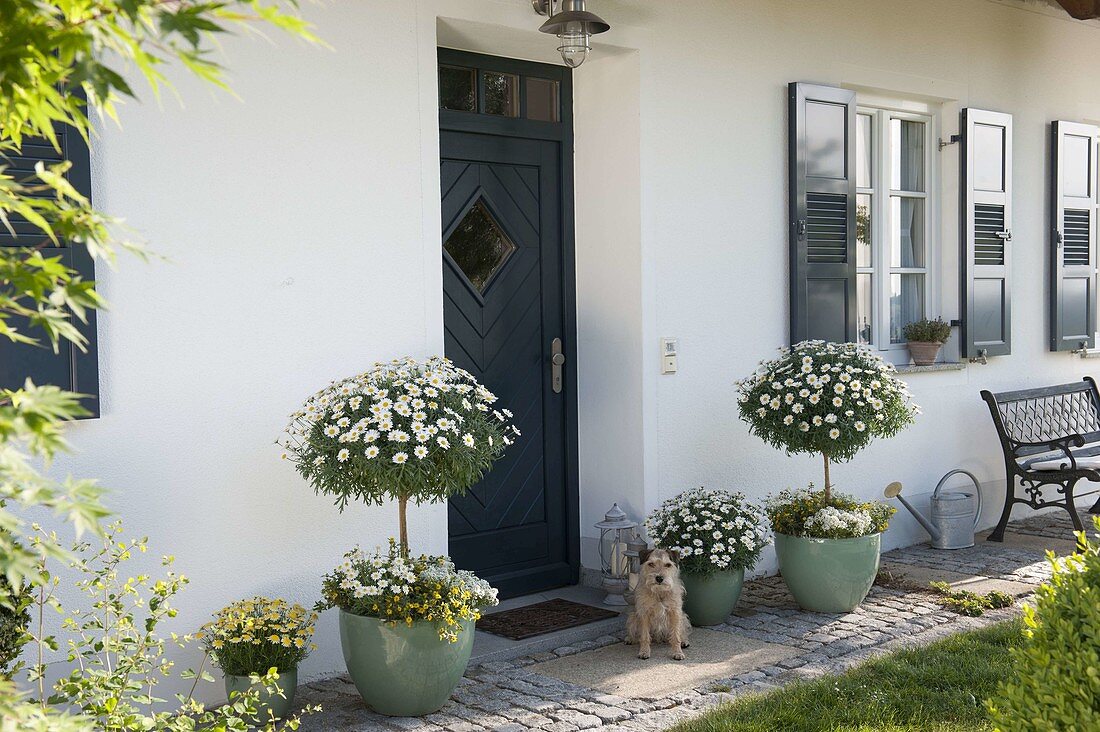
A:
(925, 338)
(832, 400)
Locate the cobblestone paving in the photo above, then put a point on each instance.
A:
(505, 696)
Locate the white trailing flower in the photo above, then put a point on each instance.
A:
(835, 523)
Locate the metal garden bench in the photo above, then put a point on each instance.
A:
(1050, 437)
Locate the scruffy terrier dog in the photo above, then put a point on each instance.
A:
(658, 612)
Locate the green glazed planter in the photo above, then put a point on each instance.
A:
(279, 706)
(401, 670)
(710, 600)
(828, 575)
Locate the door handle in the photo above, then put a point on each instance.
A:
(557, 360)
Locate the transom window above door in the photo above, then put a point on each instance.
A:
(500, 94)
(895, 210)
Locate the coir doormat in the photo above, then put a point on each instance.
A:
(541, 618)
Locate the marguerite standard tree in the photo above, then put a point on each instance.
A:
(830, 399)
(404, 430)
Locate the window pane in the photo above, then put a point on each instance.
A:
(863, 150)
(542, 100)
(863, 230)
(906, 303)
(906, 232)
(501, 94)
(906, 155)
(865, 323)
(457, 89)
(479, 246)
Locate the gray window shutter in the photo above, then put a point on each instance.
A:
(822, 125)
(986, 213)
(69, 368)
(1073, 236)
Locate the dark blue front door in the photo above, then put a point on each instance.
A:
(506, 249)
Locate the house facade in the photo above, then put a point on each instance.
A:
(609, 248)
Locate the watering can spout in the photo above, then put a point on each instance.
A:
(894, 491)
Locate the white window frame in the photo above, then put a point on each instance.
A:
(882, 110)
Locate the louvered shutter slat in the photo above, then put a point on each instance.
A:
(822, 213)
(1073, 236)
(986, 211)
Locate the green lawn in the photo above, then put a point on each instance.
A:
(938, 688)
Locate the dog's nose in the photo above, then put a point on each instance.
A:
(659, 578)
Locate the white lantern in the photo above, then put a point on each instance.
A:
(615, 533)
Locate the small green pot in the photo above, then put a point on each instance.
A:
(711, 599)
(279, 705)
(828, 575)
(402, 670)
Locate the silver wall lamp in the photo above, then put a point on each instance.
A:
(573, 25)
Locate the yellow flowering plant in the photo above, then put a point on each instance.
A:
(254, 635)
(398, 588)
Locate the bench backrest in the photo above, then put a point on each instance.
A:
(1045, 414)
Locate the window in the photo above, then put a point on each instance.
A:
(894, 216)
(501, 94)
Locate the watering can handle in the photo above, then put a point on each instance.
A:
(977, 490)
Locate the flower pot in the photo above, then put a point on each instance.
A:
(279, 705)
(711, 598)
(924, 352)
(402, 670)
(828, 575)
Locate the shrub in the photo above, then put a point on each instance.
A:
(118, 653)
(252, 636)
(1056, 684)
(14, 620)
(711, 530)
(398, 588)
(405, 430)
(927, 331)
(810, 513)
(824, 398)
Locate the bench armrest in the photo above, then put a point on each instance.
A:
(1062, 443)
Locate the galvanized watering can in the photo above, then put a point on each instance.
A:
(955, 513)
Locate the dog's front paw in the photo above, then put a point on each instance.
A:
(643, 655)
(628, 642)
(678, 656)
(685, 645)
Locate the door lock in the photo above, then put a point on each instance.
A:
(557, 360)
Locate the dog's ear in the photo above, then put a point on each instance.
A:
(643, 555)
(675, 555)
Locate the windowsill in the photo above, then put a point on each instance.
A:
(914, 369)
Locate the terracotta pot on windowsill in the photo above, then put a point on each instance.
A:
(924, 353)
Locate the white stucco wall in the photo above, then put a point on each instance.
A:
(301, 227)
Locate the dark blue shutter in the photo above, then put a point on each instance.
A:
(1073, 236)
(822, 123)
(69, 368)
(986, 236)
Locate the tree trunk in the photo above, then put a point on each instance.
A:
(402, 517)
(828, 482)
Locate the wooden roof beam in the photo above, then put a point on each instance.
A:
(1082, 9)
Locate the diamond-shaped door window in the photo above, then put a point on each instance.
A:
(479, 246)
